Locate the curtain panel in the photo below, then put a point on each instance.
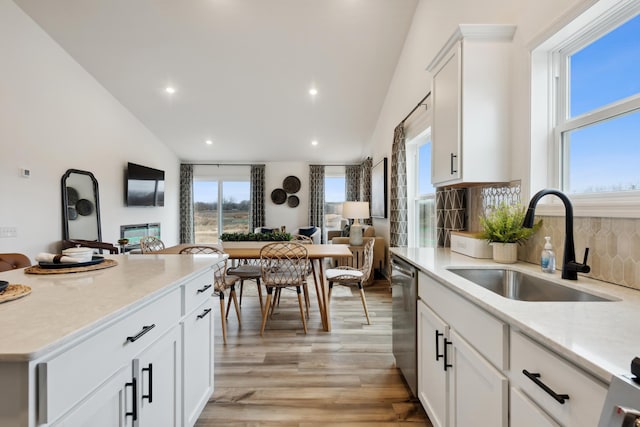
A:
(398, 214)
(256, 197)
(316, 196)
(186, 204)
(352, 183)
(365, 184)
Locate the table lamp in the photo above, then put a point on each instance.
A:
(355, 211)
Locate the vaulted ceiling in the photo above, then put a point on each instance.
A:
(241, 70)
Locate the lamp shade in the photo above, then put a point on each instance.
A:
(355, 210)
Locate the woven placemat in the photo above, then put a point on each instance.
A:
(36, 269)
(14, 292)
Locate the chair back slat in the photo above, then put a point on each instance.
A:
(283, 263)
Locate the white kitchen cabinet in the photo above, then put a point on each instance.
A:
(158, 374)
(198, 358)
(433, 386)
(470, 94)
(457, 385)
(525, 413)
(568, 394)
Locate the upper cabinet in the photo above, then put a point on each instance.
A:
(470, 93)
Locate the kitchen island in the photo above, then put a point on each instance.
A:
(130, 344)
(574, 348)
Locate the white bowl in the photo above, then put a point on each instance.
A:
(81, 254)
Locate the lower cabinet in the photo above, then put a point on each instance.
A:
(198, 361)
(525, 413)
(456, 385)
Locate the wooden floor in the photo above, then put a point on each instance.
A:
(345, 377)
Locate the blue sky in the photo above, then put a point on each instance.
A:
(606, 154)
(207, 191)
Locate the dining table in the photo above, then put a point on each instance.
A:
(315, 253)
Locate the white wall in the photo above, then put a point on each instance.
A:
(54, 116)
(279, 215)
(433, 23)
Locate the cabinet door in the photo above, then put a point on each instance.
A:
(157, 371)
(432, 377)
(198, 361)
(111, 405)
(445, 90)
(525, 413)
(478, 392)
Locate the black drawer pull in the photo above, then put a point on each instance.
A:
(533, 376)
(204, 313)
(134, 399)
(438, 335)
(149, 396)
(453, 156)
(204, 288)
(446, 358)
(144, 330)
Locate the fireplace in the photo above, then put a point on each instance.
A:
(134, 232)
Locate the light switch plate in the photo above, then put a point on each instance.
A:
(8, 232)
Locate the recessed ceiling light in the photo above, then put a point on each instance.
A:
(314, 142)
(170, 90)
(208, 142)
(313, 91)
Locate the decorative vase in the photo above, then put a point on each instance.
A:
(505, 253)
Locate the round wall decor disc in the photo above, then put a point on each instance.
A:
(293, 201)
(291, 184)
(278, 196)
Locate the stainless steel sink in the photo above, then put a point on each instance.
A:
(523, 287)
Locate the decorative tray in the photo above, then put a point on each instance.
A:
(96, 259)
(14, 292)
(69, 268)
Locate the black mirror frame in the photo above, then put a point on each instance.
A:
(65, 202)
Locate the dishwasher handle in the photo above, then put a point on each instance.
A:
(401, 269)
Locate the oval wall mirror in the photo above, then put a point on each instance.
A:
(80, 206)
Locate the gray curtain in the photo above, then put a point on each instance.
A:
(256, 198)
(316, 196)
(352, 183)
(186, 204)
(365, 184)
(398, 216)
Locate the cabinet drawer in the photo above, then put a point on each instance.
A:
(484, 332)
(197, 290)
(586, 394)
(67, 378)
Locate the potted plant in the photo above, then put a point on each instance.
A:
(502, 227)
(251, 239)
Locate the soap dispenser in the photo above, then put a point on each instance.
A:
(548, 257)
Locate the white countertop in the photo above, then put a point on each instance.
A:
(601, 337)
(64, 306)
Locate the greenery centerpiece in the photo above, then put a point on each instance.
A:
(502, 227)
(275, 236)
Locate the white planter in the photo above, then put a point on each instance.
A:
(505, 253)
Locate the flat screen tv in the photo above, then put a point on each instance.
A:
(145, 186)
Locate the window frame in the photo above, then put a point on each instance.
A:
(550, 105)
(413, 176)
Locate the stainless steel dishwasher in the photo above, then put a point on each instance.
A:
(404, 297)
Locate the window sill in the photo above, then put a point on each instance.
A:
(611, 205)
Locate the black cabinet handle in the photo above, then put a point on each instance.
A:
(453, 156)
(201, 290)
(134, 399)
(438, 335)
(534, 376)
(204, 313)
(144, 330)
(149, 370)
(446, 358)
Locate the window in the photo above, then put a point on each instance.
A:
(221, 197)
(334, 196)
(585, 110)
(598, 124)
(421, 200)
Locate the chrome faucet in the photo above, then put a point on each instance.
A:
(570, 267)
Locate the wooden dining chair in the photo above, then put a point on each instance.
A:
(248, 269)
(221, 282)
(13, 261)
(150, 244)
(350, 276)
(284, 264)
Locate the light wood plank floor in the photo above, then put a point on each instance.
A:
(288, 379)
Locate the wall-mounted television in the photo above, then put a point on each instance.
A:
(145, 186)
